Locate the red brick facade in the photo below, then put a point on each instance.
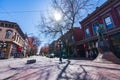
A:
(109, 16)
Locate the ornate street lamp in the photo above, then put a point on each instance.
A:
(60, 45)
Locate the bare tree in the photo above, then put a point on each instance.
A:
(36, 41)
(72, 11)
(33, 44)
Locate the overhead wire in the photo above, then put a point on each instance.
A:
(25, 11)
(7, 13)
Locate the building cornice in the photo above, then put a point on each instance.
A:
(13, 25)
(98, 11)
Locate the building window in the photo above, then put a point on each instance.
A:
(73, 39)
(14, 37)
(17, 38)
(6, 25)
(87, 32)
(95, 27)
(108, 22)
(9, 25)
(8, 34)
(2, 24)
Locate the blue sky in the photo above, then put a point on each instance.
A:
(26, 13)
(16, 11)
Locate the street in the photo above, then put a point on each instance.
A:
(50, 69)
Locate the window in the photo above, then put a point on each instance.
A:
(95, 27)
(17, 38)
(72, 38)
(9, 25)
(66, 40)
(2, 24)
(87, 32)
(6, 25)
(108, 22)
(8, 34)
(14, 37)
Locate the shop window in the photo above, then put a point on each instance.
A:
(95, 27)
(87, 32)
(8, 34)
(108, 22)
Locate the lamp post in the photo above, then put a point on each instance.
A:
(60, 44)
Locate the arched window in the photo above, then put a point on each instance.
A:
(1, 24)
(8, 34)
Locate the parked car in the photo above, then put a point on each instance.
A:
(51, 55)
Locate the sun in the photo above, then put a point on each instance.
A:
(57, 16)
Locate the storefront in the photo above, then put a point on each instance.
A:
(115, 43)
(91, 51)
(80, 51)
(16, 51)
(3, 49)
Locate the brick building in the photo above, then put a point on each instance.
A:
(32, 47)
(69, 42)
(11, 38)
(44, 51)
(108, 15)
(53, 48)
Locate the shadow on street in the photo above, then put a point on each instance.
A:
(63, 71)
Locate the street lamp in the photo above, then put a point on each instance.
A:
(58, 16)
(60, 44)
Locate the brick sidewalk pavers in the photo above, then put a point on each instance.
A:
(50, 69)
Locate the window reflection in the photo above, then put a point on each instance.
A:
(95, 27)
(8, 34)
(108, 22)
(87, 32)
